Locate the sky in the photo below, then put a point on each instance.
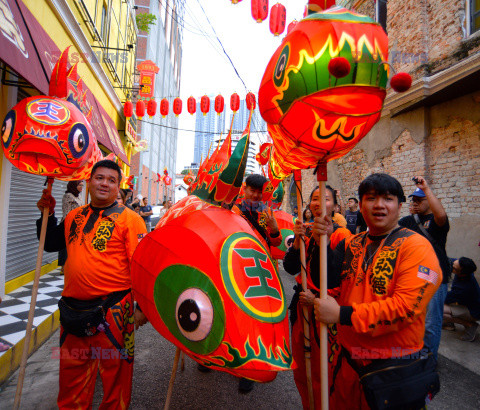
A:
(207, 70)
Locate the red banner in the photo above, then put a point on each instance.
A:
(147, 70)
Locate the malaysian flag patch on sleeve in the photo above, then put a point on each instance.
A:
(427, 274)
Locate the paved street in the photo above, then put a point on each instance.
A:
(216, 390)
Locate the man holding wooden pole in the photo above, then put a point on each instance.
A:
(388, 276)
(97, 313)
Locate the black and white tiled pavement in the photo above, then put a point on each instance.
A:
(16, 305)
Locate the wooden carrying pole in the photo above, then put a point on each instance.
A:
(297, 174)
(322, 178)
(172, 379)
(33, 301)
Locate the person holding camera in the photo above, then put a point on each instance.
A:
(430, 220)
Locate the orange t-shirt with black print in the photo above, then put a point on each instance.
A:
(389, 292)
(100, 245)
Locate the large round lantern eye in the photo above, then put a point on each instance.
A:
(78, 140)
(281, 67)
(191, 307)
(7, 128)
(194, 313)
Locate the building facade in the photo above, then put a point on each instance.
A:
(163, 46)
(102, 38)
(434, 128)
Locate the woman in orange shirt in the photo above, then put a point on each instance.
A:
(292, 265)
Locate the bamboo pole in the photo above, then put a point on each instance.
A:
(172, 379)
(322, 178)
(33, 301)
(306, 322)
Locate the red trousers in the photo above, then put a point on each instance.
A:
(298, 351)
(110, 353)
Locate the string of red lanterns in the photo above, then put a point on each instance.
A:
(150, 106)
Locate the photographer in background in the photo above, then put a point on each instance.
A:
(430, 220)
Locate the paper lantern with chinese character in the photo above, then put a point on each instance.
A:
(128, 109)
(207, 284)
(312, 115)
(177, 106)
(205, 105)
(278, 17)
(151, 108)
(250, 101)
(259, 10)
(140, 109)
(164, 107)
(219, 104)
(234, 102)
(51, 135)
(191, 105)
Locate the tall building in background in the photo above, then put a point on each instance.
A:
(208, 128)
(163, 46)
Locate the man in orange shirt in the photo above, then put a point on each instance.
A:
(100, 239)
(388, 276)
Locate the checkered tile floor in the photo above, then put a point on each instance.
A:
(15, 306)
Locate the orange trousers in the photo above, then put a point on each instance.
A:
(110, 353)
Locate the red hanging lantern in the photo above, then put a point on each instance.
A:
(164, 107)
(317, 6)
(219, 104)
(236, 1)
(250, 101)
(191, 105)
(128, 109)
(140, 108)
(259, 10)
(205, 105)
(291, 26)
(151, 108)
(234, 102)
(278, 17)
(177, 106)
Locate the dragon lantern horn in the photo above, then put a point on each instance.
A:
(58, 79)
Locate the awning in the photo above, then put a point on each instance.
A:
(18, 50)
(28, 49)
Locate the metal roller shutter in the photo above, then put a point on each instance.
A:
(22, 243)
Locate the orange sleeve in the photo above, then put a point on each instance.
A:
(417, 277)
(134, 233)
(337, 236)
(339, 220)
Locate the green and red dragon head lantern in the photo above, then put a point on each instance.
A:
(324, 88)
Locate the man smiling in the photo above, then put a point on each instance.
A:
(97, 312)
(388, 276)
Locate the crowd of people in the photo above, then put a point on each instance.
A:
(387, 282)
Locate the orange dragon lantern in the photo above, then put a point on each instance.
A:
(323, 89)
(222, 301)
(51, 135)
